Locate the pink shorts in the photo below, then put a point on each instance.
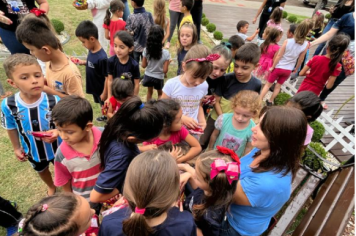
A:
(279, 75)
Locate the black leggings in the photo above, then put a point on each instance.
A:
(197, 12)
(175, 19)
(263, 23)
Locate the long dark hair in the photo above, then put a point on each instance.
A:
(169, 109)
(115, 5)
(309, 103)
(285, 137)
(272, 36)
(134, 118)
(154, 43)
(337, 46)
(276, 15)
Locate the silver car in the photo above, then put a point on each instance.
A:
(324, 4)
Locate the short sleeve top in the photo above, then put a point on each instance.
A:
(176, 137)
(271, 5)
(24, 7)
(346, 24)
(116, 68)
(155, 67)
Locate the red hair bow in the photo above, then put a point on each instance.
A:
(231, 169)
(230, 152)
(37, 12)
(318, 13)
(210, 57)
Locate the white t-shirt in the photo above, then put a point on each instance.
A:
(243, 36)
(188, 97)
(291, 54)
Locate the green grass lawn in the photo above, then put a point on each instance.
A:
(18, 181)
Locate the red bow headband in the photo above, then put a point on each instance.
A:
(37, 12)
(230, 152)
(210, 57)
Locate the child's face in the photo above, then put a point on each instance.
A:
(177, 122)
(258, 139)
(87, 43)
(186, 36)
(290, 35)
(40, 53)
(188, 78)
(121, 50)
(242, 115)
(243, 70)
(264, 35)
(244, 29)
(199, 180)
(28, 79)
(84, 215)
(72, 134)
(219, 67)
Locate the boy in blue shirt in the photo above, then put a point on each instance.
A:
(96, 63)
(29, 111)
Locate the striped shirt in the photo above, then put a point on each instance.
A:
(82, 170)
(16, 114)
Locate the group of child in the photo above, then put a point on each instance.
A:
(51, 122)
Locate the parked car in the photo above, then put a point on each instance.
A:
(324, 4)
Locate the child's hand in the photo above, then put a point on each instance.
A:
(176, 152)
(257, 31)
(202, 125)
(271, 69)
(20, 154)
(183, 178)
(82, 62)
(53, 138)
(189, 122)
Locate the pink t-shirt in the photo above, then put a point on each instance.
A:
(176, 137)
(174, 5)
(114, 26)
(309, 136)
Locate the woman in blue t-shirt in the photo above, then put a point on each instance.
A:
(267, 171)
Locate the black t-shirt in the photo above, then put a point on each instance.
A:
(116, 68)
(213, 83)
(230, 86)
(96, 71)
(24, 8)
(340, 11)
(273, 4)
(176, 223)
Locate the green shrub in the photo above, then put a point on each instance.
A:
(319, 130)
(205, 21)
(284, 14)
(203, 16)
(211, 27)
(311, 160)
(299, 21)
(328, 16)
(218, 35)
(292, 19)
(57, 25)
(281, 99)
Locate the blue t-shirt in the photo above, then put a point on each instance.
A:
(180, 58)
(96, 71)
(346, 24)
(118, 157)
(267, 192)
(176, 223)
(115, 68)
(16, 114)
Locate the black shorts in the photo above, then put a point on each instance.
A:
(149, 81)
(40, 166)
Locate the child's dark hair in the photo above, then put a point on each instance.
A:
(169, 109)
(87, 29)
(194, 38)
(188, 4)
(236, 42)
(292, 28)
(72, 109)
(134, 118)
(201, 69)
(57, 219)
(241, 24)
(223, 50)
(221, 191)
(337, 46)
(155, 189)
(139, 3)
(276, 15)
(18, 59)
(154, 43)
(122, 87)
(272, 36)
(248, 53)
(125, 37)
(309, 103)
(36, 32)
(115, 5)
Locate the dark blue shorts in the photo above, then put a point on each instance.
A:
(149, 81)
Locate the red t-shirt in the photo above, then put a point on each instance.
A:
(114, 104)
(319, 74)
(114, 26)
(176, 137)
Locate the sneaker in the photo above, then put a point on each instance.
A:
(11, 230)
(272, 87)
(102, 118)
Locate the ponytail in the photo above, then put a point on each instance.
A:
(337, 47)
(107, 17)
(136, 225)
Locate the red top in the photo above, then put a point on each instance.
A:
(319, 74)
(114, 26)
(176, 137)
(114, 104)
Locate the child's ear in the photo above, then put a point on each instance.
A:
(11, 83)
(89, 126)
(46, 49)
(92, 39)
(132, 139)
(131, 49)
(183, 66)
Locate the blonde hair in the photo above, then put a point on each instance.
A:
(195, 35)
(318, 21)
(201, 69)
(159, 12)
(247, 99)
(18, 59)
(302, 31)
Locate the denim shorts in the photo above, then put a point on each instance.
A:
(227, 229)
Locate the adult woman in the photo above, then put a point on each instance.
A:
(266, 8)
(197, 13)
(175, 17)
(346, 25)
(341, 8)
(267, 171)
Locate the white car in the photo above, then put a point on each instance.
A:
(325, 3)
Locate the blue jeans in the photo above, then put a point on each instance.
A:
(9, 39)
(228, 230)
(326, 29)
(126, 11)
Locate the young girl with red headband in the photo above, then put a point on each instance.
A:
(151, 190)
(214, 180)
(190, 87)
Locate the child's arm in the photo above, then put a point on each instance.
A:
(107, 34)
(67, 187)
(14, 138)
(201, 117)
(104, 95)
(191, 171)
(108, 88)
(102, 197)
(304, 70)
(137, 86)
(331, 82)
(279, 55)
(147, 147)
(167, 30)
(300, 60)
(194, 150)
(213, 138)
(253, 36)
(144, 62)
(165, 66)
(217, 105)
(110, 112)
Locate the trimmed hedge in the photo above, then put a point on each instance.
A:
(292, 19)
(319, 130)
(218, 35)
(203, 16)
(205, 21)
(284, 14)
(211, 27)
(57, 25)
(328, 16)
(281, 99)
(311, 160)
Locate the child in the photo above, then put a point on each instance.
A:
(291, 30)
(324, 68)
(190, 87)
(236, 42)
(96, 63)
(113, 22)
(62, 75)
(318, 26)
(29, 111)
(269, 49)
(185, 7)
(242, 28)
(135, 122)
(151, 196)
(156, 61)
(292, 50)
(122, 89)
(160, 18)
(139, 24)
(275, 20)
(213, 189)
(310, 104)
(173, 131)
(60, 214)
(233, 130)
(188, 37)
(122, 62)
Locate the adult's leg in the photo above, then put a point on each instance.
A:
(326, 29)
(8, 214)
(9, 39)
(174, 18)
(325, 93)
(262, 24)
(126, 11)
(197, 12)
